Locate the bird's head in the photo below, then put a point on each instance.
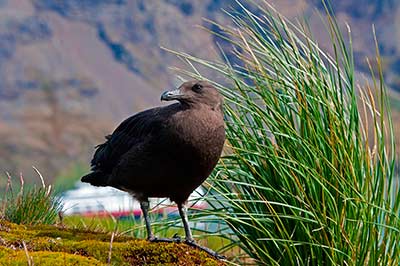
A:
(195, 92)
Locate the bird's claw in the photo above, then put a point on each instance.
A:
(152, 239)
(192, 243)
(177, 238)
(174, 239)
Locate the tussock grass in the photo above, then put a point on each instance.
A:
(31, 206)
(309, 176)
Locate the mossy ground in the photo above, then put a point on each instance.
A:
(52, 245)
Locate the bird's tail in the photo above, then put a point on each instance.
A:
(96, 178)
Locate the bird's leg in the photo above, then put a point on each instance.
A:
(144, 205)
(183, 213)
(189, 238)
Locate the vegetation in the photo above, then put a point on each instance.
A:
(79, 240)
(33, 206)
(50, 245)
(81, 243)
(164, 227)
(309, 178)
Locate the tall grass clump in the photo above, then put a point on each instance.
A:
(31, 206)
(308, 177)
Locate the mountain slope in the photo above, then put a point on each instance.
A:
(70, 70)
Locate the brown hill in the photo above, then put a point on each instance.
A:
(70, 70)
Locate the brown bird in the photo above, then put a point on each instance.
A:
(164, 151)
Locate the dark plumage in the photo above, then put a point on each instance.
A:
(164, 151)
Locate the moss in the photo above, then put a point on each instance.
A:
(52, 245)
(18, 257)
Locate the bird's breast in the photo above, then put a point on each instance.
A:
(201, 136)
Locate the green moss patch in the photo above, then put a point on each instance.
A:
(62, 246)
(18, 257)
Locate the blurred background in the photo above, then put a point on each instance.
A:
(72, 70)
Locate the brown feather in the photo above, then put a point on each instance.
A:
(165, 151)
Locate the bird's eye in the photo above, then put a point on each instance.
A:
(197, 87)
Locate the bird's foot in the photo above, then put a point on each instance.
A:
(174, 239)
(177, 238)
(192, 243)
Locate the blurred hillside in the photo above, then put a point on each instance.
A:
(71, 70)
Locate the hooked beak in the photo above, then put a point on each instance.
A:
(171, 95)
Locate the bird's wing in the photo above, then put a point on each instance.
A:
(129, 133)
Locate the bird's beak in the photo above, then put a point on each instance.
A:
(171, 95)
